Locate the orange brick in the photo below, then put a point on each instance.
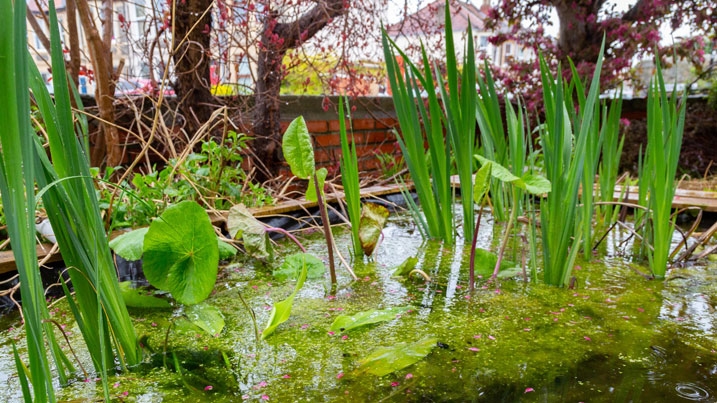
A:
(317, 126)
(363, 124)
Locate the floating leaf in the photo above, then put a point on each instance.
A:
(226, 251)
(207, 317)
(509, 272)
(482, 183)
(282, 310)
(130, 245)
(405, 268)
(140, 298)
(181, 253)
(311, 189)
(343, 323)
(386, 360)
(293, 265)
(242, 224)
(373, 219)
(298, 150)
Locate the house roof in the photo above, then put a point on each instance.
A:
(432, 17)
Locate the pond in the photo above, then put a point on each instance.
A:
(615, 337)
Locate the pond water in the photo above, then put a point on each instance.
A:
(616, 337)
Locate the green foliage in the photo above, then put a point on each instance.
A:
(206, 317)
(293, 265)
(665, 126)
(297, 148)
(406, 267)
(181, 254)
(373, 219)
(281, 311)
(385, 360)
(344, 323)
(141, 298)
(350, 177)
(242, 225)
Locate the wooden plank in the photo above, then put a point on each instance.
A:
(707, 201)
(7, 259)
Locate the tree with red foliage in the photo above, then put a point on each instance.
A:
(582, 25)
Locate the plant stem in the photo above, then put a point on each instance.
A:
(504, 243)
(327, 229)
(472, 264)
(288, 235)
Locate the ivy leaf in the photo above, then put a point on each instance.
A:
(297, 148)
(385, 360)
(373, 219)
(344, 323)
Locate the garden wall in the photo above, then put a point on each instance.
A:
(373, 119)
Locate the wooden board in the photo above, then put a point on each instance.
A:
(7, 259)
(707, 201)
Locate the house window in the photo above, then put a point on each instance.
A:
(483, 42)
(508, 50)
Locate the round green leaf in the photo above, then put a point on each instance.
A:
(298, 150)
(181, 253)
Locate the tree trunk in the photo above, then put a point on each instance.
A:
(193, 21)
(276, 39)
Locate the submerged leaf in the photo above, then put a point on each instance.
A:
(385, 360)
(282, 310)
(373, 219)
(207, 317)
(311, 189)
(343, 323)
(181, 253)
(130, 245)
(140, 298)
(242, 225)
(298, 150)
(294, 264)
(405, 268)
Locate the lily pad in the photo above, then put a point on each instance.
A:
(373, 219)
(130, 245)
(181, 253)
(343, 323)
(293, 265)
(207, 317)
(385, 360)
(140, 298)
(242, 225)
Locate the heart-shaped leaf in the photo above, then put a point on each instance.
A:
(536, 184)
(297, 148)
(242, 225)
(373, 219)
(344, 323)
(181, 253)
(293, 265)
(130, 245)
(385, 360)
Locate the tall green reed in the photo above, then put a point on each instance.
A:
(455, 113)
(17, 186)
(610, 162)
(350, 178)
(70, 200)
(665, 125)
(430, 170)
(564, 156)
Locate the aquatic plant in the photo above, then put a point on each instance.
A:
(665, 125)
(299, 154)
(17, 186)
(609, 162)
(349, 177)
(564, 158)
(429, 169)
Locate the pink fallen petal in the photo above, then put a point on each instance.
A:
(394, 384)
(473, 349)
(528, 390)
(339, 375)
(587, 338)
(409, 376)
(287, 376)
(208, 387)
(491, 337)
(265, 397)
